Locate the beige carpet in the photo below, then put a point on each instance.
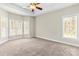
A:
(36, 47)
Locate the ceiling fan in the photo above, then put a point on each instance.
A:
(34, 6)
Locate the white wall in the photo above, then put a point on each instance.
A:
(49, 25)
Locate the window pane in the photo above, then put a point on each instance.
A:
(19, 27)
(15, 24)
(26, 27)
(12, 24)
(4, 27)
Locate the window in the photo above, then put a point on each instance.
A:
(19, 27)
(26, 27)
(15, 26)
(3, 27)
(12, 28)
(70, 27)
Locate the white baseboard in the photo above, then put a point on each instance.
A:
(3, 41)
(12, 38)
(76, 45)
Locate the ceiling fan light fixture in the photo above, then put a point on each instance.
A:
(32, 7)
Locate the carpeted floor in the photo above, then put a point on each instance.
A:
(36, 47)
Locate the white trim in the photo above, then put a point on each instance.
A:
(77, 45)
(3, 41)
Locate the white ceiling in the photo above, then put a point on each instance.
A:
(23, 9)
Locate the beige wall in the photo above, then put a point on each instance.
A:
(49, 25)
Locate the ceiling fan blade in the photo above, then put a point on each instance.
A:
(39, 8)
(37, 3)
(34, 3)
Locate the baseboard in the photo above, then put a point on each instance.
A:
(76, 45)
(12, 38)
(3, 41)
